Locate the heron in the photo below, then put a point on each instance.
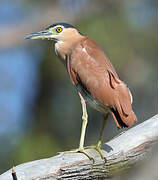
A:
(94, 77)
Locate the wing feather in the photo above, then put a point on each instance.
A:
(96, 73)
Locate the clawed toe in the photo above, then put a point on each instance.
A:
(86, 154)
(79, 150)
(82, 150)
(98, 149)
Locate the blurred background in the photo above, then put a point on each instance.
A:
(40, 111)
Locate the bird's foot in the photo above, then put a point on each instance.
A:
(98, 149)
(79, 150)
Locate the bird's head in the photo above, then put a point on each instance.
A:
(59, 32)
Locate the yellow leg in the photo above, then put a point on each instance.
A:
(98, 146)
(83, 130)
(102, 130)
(84, 122)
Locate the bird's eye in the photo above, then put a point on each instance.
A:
(59, 29)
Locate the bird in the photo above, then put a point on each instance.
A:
(94, 78)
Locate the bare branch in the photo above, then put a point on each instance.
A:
(121, 153)
(14, 174)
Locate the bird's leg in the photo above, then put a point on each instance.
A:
(84, 125)
(83, 131)
(98, 146)
(84, 122)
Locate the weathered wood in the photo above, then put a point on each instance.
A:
(121, 153)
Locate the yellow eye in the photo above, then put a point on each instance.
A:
(59, 29)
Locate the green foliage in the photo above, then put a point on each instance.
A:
(35, 146)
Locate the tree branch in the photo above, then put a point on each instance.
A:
(121, 152)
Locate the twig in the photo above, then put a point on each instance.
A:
(14, 174)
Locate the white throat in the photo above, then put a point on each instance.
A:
(57, 44)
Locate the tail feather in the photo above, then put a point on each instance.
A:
(117, 118)
(122, 106)
(122, 111)
(123, 121)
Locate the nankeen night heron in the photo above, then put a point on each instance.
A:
(93, 76)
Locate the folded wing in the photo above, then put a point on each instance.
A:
(87, 64)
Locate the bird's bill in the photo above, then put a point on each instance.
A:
(40, 35)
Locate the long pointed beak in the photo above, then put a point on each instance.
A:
(39, 35)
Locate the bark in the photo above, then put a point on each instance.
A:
(121, 153)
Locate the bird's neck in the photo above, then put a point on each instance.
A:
(63, 48)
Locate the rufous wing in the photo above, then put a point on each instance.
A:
(88, 64)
